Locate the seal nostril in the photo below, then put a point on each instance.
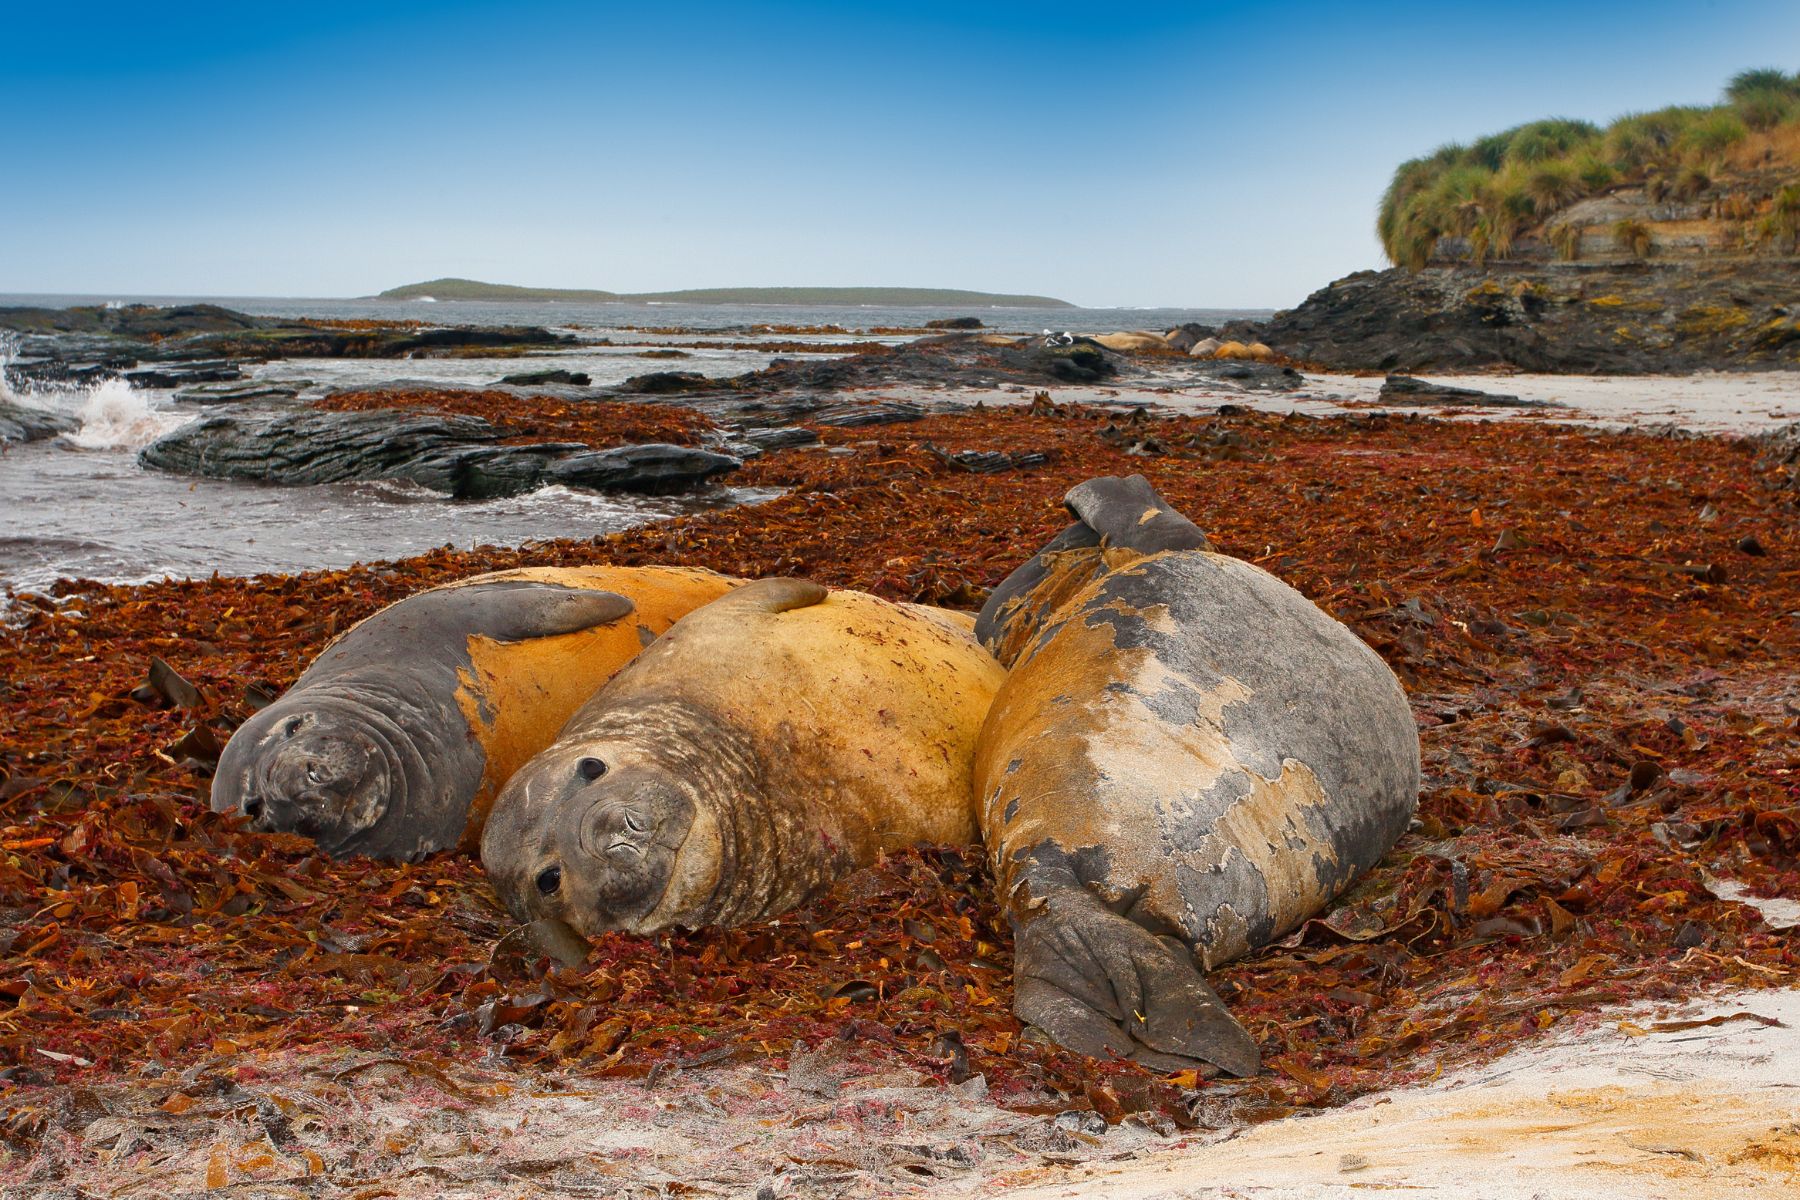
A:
(591, 768)
(253, 807)
(548, 880)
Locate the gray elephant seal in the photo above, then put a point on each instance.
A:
(1188, 759)
(396, 739)
(768, 744)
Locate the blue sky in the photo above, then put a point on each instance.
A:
(1198, 154)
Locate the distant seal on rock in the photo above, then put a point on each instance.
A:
(1187, 759)
(395, 740)
(769, 743)
(1132, 340)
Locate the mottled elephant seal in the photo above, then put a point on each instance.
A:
(1187, 760)
(396, 739)
(767, 744)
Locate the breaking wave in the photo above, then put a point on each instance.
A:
(114, 416)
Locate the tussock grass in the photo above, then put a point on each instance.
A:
(1633, 237)
(1493, 189)
(1566, 239)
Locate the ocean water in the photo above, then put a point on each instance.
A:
(595, 319)
(79, 506)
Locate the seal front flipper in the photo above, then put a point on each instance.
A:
(517, 611)
(1127, 513)
(1015, 591)
(1102, 985)
(772, 596)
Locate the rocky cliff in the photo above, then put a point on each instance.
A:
(1631, 316)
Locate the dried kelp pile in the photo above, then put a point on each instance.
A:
(1597, 631)
(530, 420)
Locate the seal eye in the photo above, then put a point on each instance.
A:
(590, 769)
(293, 726)
(548, 880)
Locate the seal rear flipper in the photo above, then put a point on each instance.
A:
(1101, 984)
(516, 611)
(1127, 513)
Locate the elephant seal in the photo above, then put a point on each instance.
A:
(769, 743)
(396, 739)
(1187, 759)
(1131, 340)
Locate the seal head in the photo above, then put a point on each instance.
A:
(325, 773)
(593, 837)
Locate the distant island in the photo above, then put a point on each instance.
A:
(471, 289)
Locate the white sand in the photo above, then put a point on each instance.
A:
(1713, 402)
(1618, 1112)
(1696, 1114)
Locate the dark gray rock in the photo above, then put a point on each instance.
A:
(452, 454)
(186, 375)
(1779, 457)
(1405, 391)
(124, 337)
(239, 393)
(57, 373)
(956, 323)
(653, 468)
(313, 447)
(1620, 318)
(854, 414)
(22, 423)
(1183, 337)
(1246, 374)
(488, 472)
(1083, 361)
(531, 378)
(941, 360)
(669, 383)
(782, 437)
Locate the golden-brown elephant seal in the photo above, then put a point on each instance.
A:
(766, 745)
(1187, 760)
(398, 736)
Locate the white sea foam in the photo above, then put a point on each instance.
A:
(9, 349)
(114, 416)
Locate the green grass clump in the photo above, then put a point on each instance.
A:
(1496, 187)
(1782, 225)
(1760, 81)
(1714, 133)
(1553, 184)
